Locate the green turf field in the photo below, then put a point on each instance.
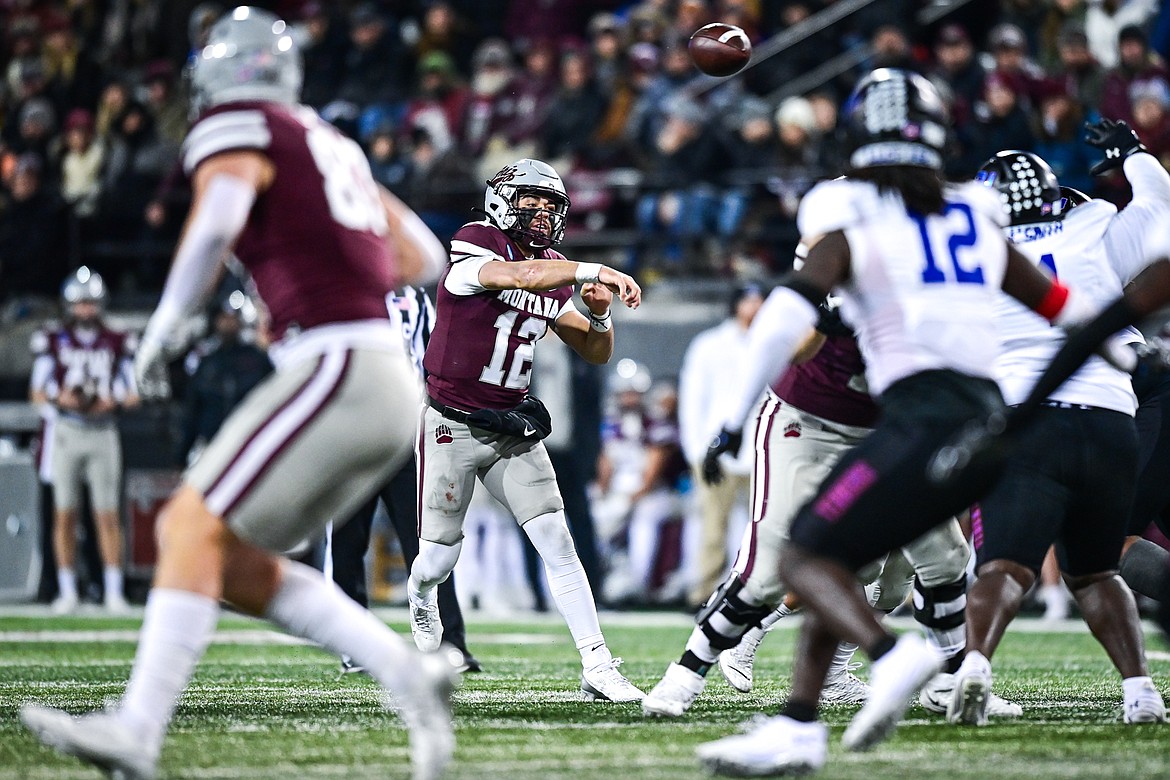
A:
(262, 707)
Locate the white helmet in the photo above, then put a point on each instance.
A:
(250, 55)
(84, 286)
(520, 178)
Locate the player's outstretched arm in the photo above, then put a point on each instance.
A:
(550, 274)
(421, 256)
(226, 187)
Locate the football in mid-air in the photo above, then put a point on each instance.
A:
(720, 49)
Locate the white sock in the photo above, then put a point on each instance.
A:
(840, 664)
(175, 631)
(1131, 687)
(431, 568)
(775, 617)
(311, 607)
(567, 583)
(974, 661)
(113, 581)
(66, 582)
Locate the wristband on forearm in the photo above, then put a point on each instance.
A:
(602, 323)
(588, 272)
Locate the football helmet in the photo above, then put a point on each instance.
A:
(1073, 197)
(250, 55)
(83, 286)
(896, 117)
(1027, 187)
(525, 177)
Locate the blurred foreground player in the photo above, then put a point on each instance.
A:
(296, 201)
(918, 267)
(1072, 476)
(504, 288)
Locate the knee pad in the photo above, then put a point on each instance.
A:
(726, 616)
(941, 607)
(550, 536)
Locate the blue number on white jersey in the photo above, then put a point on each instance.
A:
(932, 274)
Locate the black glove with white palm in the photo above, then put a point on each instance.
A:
(529, 419)
(1116, 139)
(724, 441)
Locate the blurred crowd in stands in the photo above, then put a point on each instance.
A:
(669, 170)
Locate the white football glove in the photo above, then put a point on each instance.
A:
(150, 368)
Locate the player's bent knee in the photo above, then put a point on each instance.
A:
(947, 566)
(1083, 581)
(1021, 574)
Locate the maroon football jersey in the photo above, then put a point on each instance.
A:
(831, 385)
(315, 242)
(480, 352)
(94, 362)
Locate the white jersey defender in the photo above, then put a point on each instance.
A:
(1098, 250)
(921, 287)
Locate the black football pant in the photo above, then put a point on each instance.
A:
(351, 540)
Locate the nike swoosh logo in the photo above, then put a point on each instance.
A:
(529, 431)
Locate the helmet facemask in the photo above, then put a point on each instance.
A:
(536, 237)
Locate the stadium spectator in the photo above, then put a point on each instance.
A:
(374, 67)
(440, 104)
(137, 160)
(534, 90)
(557, 21)
(609, 65)
(1104, 21)
(35, 124)
(168, 108)
(798, 160)
(389, 164)
(444, 30)
(957, 66)
(74, 76)
(1000, 123)
(680, 167)
(114, 100)
(439, 183)
(1059, 142)
(749, 138)
(649, 112)
(891, 49)
(81, 164)
(491, 104)
(1151, 117)
(1009, 48)
(324, 50)
(32, 234)
(574, 113)
(1135, 63)
(1078, 70)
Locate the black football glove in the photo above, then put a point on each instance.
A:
(725, 441)
(1116, 139)
(528, 420)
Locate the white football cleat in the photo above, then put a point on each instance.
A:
(64, 605)
(895, 678)
(738, 663)
(935, 697)
(116, 604)
(971, 691)
(675, 692)
(98, 738)
(1146, 707)
(426, 710)
(604, 682)
(848, 688)
(774, 746)
(425, 624)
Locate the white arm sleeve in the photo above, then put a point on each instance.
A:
(220, 216)
(124, 385)
(1137, 236)
(784, 322)
(463, 278)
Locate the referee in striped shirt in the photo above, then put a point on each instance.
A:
(350, 540)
